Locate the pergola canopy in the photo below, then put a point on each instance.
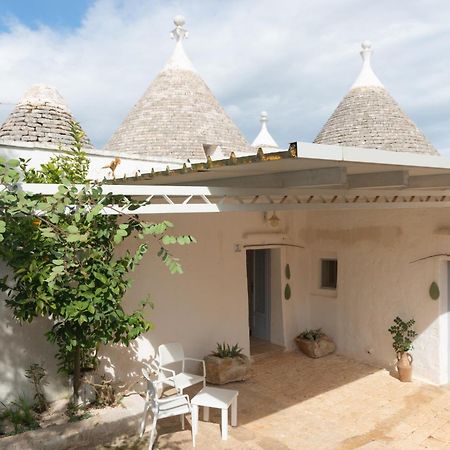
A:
(307, 176)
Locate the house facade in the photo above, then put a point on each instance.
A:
(357, 225)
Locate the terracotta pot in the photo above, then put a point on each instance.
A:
(404, 367)
(226, 370)
(316, 349)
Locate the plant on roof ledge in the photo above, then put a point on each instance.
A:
(61, 249)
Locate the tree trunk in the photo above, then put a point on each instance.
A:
(76, 373)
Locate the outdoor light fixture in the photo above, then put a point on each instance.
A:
(274, 220)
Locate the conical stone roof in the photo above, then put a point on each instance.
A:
(177, 115)
(369, 117)
(41, 116)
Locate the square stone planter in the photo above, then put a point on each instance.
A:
(226, 370)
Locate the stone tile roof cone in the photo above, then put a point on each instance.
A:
(264, 138)
(369, 117)
(40, 117)
(177, 115)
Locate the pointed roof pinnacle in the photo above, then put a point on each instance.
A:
(179, 59)
(369, 117)
(367, 76)
(178, 115)
(264, 138)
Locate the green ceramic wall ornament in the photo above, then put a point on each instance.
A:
(287, 292)
(287, 272)
(434, 291)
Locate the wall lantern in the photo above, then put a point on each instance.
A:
(273, 219)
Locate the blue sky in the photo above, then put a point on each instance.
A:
(295, 59)
(61, 14)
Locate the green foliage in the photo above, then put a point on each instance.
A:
(72, 165)
(62, 252)
(75, 412)
(402, 334)
(20, 415)
(36, 374)
(226, 351)
(312, 335)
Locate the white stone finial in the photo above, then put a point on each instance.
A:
(264, 139)
(366, 45)
(179, 33)
(366, 77)
(179, 59)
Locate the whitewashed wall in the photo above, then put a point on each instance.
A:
(208, 303)
(377, 280)
(21, 346)
(100, 160)
(205, 305)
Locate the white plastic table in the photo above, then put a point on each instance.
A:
(211, 397)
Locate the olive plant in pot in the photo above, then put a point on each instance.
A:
(227, 364)
(315, 343)
(403, 335)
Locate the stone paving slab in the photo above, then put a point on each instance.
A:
(293, 402)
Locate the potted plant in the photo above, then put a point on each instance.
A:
(315, 343)
(227, 364)
(403, 335)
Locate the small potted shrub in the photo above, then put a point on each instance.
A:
(315, 343)
(402, 336)
(227, 364)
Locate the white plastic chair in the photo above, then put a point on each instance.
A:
(173, 405)
(174, 353)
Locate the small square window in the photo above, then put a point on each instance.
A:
(328, 278)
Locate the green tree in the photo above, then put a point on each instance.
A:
(61, 249)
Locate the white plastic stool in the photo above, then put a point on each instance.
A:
(211, 397)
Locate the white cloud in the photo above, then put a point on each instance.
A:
(294, 59)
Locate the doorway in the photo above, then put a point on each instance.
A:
(265, 319)
(258, 286)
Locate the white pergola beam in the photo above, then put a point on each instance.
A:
(329, 176)
(397, 178)
(202, 199)
(427, 181)
(217, 208)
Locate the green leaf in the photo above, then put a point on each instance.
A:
(73, 229)
(101, 277)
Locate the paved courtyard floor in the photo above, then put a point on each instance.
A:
(293, 402)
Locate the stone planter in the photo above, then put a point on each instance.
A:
(226, 370)
(316, 349)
